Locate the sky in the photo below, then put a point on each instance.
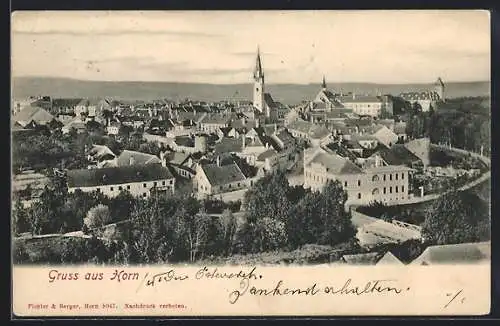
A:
(297, 47)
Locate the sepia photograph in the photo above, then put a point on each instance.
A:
(321, 139)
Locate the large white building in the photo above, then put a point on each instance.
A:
(426, 99)
(139, 180)
(375, 183)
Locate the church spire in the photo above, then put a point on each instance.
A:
(323, 85)
(258, 73)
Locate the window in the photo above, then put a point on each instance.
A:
(144, 195)
(98, 189)
(390, 190)
(345, 183)
(229, 186)
(154, 184)
(375, 191)
(396, 189)
(120, 188)
(111, 188)
(359, 182)
(396, 176)
(385, 191)
(171, 181)
(128, 187)
(402, 188)
(238, 184)
(402, 176)
(384, 177)
(144, 185)
(390, 176)
(220, 188)
(359, 195)
(163, 183)
(375, 178)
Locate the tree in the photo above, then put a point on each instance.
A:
(93, 126)
(228, 231)
(107, 115)
(20, 224)
(264, 235)
(196, 232)
(120, 207)
(321, 218)
(455, 217)
(97, 217)
(268, 197)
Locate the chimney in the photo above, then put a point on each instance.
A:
(311, 119)
(244, 143)
(275, 128)
(218, 160)
(131, 160)
(257, 122)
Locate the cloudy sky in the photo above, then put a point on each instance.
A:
(220, 47)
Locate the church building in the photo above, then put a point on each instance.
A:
(262, 101)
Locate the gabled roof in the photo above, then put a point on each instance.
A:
(398, 154)
(420, 96)
(177, 158)
(116, 175)
(269, 101)
(224, 174)
(33, 113)
(229, 145)
(335, 164)
(138, 158)
(389, 259)
(461, 253)
(99, 151)
(267, 154)
(312, 130)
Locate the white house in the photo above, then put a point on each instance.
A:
(139, 180)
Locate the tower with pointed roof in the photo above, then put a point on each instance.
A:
(439, 88)
(323, 85)
(258, 87)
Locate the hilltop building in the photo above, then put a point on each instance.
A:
(426, 99)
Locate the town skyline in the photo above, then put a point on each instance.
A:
(94, 51)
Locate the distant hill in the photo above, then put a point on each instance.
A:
(286, 93)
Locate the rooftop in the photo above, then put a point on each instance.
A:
(137, 158)
(335, 164)
(117, 175)
(224, 174)
(455, 254)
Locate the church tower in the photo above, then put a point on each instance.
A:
(323, 85)
(439, 88)
(258, 87)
